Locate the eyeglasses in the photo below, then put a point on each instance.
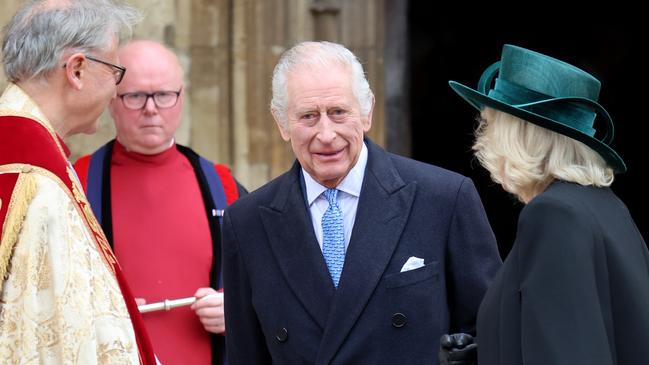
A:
(118, 71)
(161, 99)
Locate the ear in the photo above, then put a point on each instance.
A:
(111, 107)
(282, 125)
(367, 122)
(75, 68)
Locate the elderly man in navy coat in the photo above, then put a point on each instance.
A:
(354, 255)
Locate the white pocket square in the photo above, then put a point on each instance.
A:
(412, 263)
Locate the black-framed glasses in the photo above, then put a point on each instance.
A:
(161, 99)
(118, 71)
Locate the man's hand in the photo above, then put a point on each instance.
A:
(458, 349)
(209, 309)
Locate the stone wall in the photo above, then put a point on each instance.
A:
(228, 49)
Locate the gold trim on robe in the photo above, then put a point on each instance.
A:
(60, 301)
(23, 193)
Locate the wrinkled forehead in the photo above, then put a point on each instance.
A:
(310, 87)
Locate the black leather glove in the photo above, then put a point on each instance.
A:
(458, 349)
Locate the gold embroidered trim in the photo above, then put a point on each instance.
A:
(82, 207)
(93, 224)
(21, 197)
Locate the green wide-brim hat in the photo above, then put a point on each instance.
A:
(547, 92)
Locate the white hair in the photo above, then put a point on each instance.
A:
(41, 31)
(319, 54)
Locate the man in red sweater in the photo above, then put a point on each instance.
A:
(160, 205)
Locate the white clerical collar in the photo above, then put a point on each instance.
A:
(351, 184)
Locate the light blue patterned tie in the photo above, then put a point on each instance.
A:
(333, 237)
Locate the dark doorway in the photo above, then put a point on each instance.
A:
(459, 46)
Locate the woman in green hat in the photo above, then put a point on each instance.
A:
(575, 287)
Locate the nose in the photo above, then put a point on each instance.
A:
(149, 105)
(327, 132)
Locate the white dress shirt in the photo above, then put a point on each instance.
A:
(349, 192)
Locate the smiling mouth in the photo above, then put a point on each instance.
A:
(329, 155)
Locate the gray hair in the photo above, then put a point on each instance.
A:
(321, 54)
(41, 31)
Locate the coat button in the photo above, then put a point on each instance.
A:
(399, 320)
(281, 335)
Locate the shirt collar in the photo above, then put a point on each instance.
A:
(351, 184)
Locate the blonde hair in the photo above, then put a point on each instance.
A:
(525, 158)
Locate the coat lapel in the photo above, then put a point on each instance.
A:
(287, 222)
(383, 209)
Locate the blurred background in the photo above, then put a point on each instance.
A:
(410, 49)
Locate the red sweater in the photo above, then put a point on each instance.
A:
(162, 241)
